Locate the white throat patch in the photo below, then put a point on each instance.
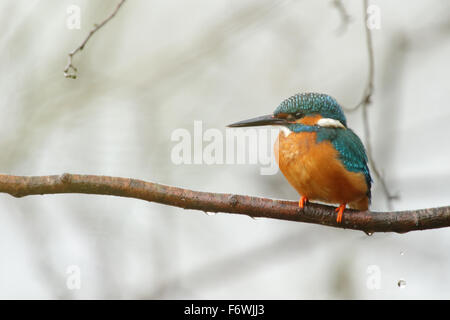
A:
(330, 123)
(286, 131)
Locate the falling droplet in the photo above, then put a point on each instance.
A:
(402, 253)
(401, 283)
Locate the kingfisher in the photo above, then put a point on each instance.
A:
(318, 154)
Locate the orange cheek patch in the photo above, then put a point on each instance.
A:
(309, 120)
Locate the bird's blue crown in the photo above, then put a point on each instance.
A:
(313, 103)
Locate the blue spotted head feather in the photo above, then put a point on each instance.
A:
(312, 103)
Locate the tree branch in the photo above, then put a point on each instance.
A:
(369, 222)
(70, 71)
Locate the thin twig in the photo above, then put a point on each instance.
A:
(369, 222)
(70, 71)
(384, 187)
(366, 100)
(345, 17)
(368, 91)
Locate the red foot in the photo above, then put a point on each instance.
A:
(302, 202)
(340, 211)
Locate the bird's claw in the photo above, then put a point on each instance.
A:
(302, 202)
(340, 212)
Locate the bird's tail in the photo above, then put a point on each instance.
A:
(361, 205)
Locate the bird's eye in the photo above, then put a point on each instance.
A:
(298, 115)
(290, 117)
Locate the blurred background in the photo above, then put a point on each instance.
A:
(161, 65)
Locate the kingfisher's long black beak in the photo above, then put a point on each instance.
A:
(259, 121)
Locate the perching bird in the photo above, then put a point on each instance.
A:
(319, 156)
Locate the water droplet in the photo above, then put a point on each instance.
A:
(369, 233)
(402, 253)
(210, 213)
(401, 283)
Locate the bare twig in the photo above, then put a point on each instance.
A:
(70, 71)
(368, 91)
(345, 17)
(369, 222)
(384, 187)
(366, 100)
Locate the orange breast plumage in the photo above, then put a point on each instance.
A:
(315, 171)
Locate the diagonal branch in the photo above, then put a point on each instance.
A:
(70, 71)
(369, 222)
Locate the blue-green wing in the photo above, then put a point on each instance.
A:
(351, 150)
